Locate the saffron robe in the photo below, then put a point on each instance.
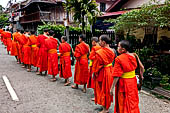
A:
(81, 66)
(1, 30)
(102, 68)
(126, 97)
(51, 46)
(22, 40)
(14, 49)
(34, 49)
(42, 56)
(92, 57)
(65, 61)
(27, 52)
(8, 40)
(3, 37)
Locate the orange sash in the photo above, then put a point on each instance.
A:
(66, 54)
(84, 56)
(52, 51)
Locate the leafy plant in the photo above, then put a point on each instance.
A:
(149, 15)
(154, 72)
(164, 82)
(83, 10)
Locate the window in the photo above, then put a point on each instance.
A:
(102, 7)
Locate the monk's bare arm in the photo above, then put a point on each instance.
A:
(72, 51)
(113, 85)
(140, 65)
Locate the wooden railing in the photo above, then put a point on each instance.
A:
(37, 16)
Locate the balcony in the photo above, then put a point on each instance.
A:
(36, 17)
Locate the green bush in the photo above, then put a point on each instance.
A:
(154, 72)
(56, 28)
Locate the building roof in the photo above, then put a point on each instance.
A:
(130, 4)
(113, 13)
(113, 5)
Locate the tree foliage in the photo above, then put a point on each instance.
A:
(3, 17)
(149, 15)
(83, 9)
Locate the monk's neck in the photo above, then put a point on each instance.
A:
(97, 44)
(45, 34)
(106, 46)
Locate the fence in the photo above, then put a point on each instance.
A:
(74, 36)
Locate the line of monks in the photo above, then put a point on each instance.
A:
(101, 74)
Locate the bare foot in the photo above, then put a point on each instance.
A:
(84, 90)
(67, 84)
(53, 79)
(23, 66)
(38, 73)
(104, 111)
(92, 99)
(74, 87)
(28, 70)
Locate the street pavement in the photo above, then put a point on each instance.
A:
(38, 95)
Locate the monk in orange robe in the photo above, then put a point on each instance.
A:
(29, 49)
(92, 57)
(43, 59)
(8, 40)
(22, 40)
(14, 49)
(126, 94)
(81, 68)
(65, 61)
(1, 30)
(102, 67)
(3, 37)
(51, 46)
(34, 49)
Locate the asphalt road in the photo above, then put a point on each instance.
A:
(38, 95)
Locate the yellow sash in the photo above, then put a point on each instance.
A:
(128, 74)
(90, 63)
(108, 65)
(84, 56)
(52, 51)
(33, 45)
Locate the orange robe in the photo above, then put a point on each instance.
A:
(8, 40)
(34, 50)
(65, 61)
(102, 68)
(27, 52)
(126, 97)
(81, 67)
(42, 59)
(51, 46)
(14, 49)
(3, 37)
(90, 82)
(1, 30)
(22, 40)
